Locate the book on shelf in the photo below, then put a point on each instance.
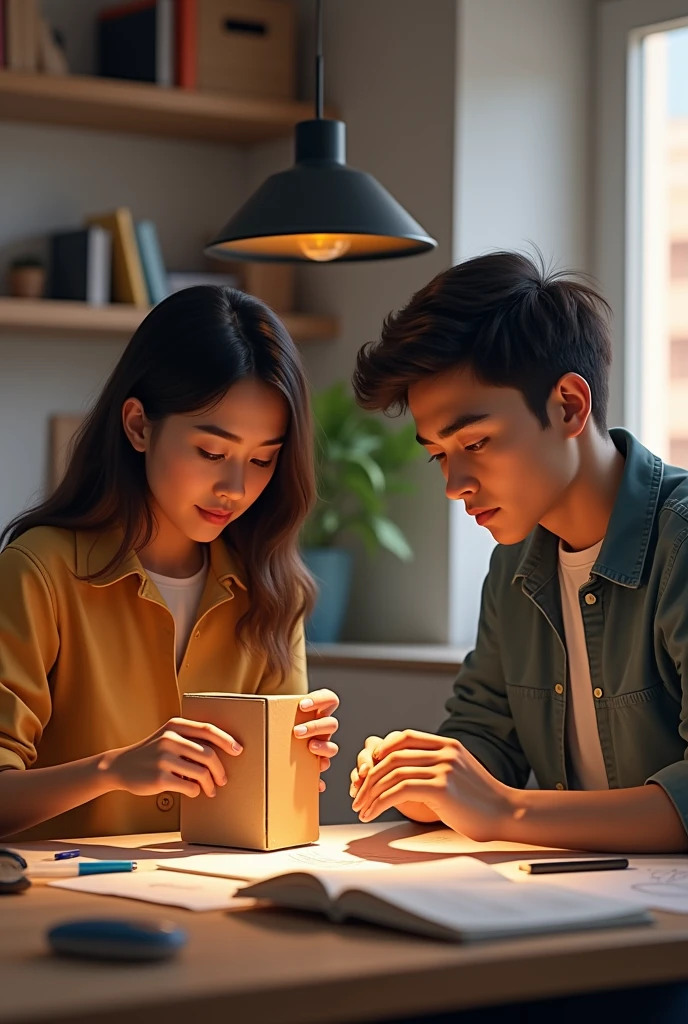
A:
(128, 281)
(460, 899)
(81, 265)
(3, 62)
(22, 21)
(152, 261)
(136, 41)
(51, 57)
(186, 37)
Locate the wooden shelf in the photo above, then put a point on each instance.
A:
(47, 318)
(111, 105)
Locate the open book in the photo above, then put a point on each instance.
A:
(460, 899)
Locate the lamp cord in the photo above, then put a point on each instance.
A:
(319, 63)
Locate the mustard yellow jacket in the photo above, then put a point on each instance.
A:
(88, 667)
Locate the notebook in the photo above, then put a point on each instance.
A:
(459, 900)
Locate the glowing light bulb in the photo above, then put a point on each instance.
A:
(323, 248)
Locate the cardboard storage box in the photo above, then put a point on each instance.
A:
(247, 47)
(271, 799)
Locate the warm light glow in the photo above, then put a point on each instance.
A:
(300, 247)
(323, 248)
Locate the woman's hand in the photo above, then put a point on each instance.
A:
(320, 729)
(413, 768)
(180, 757)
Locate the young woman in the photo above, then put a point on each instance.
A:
(165, 562)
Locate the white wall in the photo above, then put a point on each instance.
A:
(390, 69)
(523, 172)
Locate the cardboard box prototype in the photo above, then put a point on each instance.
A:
(271, 799)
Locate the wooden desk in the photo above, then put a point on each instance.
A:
(276, 967)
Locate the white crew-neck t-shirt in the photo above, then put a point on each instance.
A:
(182, 597)
(582, 734)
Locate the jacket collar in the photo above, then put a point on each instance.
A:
(624, 550)
(95, 549)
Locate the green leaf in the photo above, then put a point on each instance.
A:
(358, 483)
(391, 538)
(375, 474)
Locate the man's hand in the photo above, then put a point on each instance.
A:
(365, 761)
(411, 769)
(319, 730)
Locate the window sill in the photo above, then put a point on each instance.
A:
(440, 658)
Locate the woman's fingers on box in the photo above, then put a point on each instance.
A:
(207, 733)
(318, 727)
(172, 743)
(188, 770)
(320, 702)
(324, 748)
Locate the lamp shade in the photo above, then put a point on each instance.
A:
(320, 210)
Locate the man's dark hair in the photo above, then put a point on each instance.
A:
(508, 320)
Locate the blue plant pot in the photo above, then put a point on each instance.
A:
(331, 568)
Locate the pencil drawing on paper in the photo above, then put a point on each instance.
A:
(671, 882)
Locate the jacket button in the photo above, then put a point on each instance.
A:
(558, 688)
(164, 801)
(560, 785)
(597, 692)
(590, 599)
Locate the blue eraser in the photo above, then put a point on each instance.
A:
(117, 939)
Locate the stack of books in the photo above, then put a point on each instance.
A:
(115, 259)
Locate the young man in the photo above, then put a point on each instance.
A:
(579, 670)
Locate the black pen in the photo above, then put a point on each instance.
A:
(549, 867)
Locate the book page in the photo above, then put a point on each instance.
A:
(463, 895)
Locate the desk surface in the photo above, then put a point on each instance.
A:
(278, 967)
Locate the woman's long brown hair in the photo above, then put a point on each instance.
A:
(183, 358)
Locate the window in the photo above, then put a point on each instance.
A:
(662, 263)
(641, 242)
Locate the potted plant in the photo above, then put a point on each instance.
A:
(27, 278)
(360, 460)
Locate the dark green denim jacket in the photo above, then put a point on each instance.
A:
(505, 707)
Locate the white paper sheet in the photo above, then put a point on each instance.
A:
(253, 866)
(338, 847)
(192, 892)
(660, 883)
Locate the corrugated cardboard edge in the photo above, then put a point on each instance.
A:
(296, 790)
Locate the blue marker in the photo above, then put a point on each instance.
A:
(67, 854)
(68, 869)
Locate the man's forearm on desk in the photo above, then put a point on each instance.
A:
(638, 820)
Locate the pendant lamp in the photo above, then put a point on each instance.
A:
(320, 210)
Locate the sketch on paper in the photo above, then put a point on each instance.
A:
(667, 882)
